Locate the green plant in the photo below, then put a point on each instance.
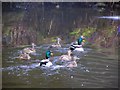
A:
(87, 32)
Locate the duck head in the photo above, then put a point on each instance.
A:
(49, 54)
(33, 45)
(82, 37)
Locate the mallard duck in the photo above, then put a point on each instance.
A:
(71, 60)
(24, 56)
(30, 50)
(69, 56)
(66, 57)
(46, 62)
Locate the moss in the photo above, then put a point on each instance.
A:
(88, 31)
(75, 32)
(53, 39)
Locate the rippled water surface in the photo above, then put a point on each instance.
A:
(95, 69)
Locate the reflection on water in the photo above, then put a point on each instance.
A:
(95, 69)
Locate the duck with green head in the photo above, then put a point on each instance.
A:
(81, 40)
(46, 62)
(79, 47)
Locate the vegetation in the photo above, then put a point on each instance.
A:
(43, 22)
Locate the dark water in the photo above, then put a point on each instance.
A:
(95, 69)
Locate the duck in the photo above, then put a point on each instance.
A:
(30, 50)
(58, 45)
(68, 57)
(78, 45)
(71, 60)
(24, 56)
(47, 62)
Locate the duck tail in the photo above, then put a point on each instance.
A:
(41, 63)
(72, 47)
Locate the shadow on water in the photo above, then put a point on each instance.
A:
(95, 69)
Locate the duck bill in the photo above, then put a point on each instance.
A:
(51, 54)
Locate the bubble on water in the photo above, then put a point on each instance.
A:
(87, 71)
(71, 76)
(107, 66)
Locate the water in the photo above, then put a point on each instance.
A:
(95, 69)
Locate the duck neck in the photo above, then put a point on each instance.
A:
(58, 41)
(69, 53)
(33, 46)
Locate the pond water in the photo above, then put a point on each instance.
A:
(95, 69)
